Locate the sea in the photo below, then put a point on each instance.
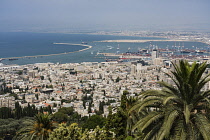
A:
(21, 44)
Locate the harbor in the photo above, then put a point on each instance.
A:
(162, 53)
(93, 48)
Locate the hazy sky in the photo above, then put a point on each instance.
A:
(84, 14)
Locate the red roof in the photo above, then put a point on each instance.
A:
(46, 104)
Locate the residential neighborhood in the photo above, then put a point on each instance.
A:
(83, 86)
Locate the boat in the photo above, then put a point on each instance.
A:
(11, 59)
(84, 43)
(185, 51)
(199, 51)
(110, 47)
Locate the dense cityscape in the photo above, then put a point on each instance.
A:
(104, 70)
(87, 89)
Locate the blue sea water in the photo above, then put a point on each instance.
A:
(19, 44)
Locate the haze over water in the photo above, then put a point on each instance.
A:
(88, 15)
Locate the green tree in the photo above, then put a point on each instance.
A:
(9, 127)
(64, 132)
(5, 113)
(20, 72)
(93, 121)
(100, 134)
(117, 122)
(49, 109)
(50, 80)
(18, 111)
(60, 117)
(42, 77)
(130, 102)
(73, 132)
(37, 96)
(124, 99)
(41, 110)
(67, 110)
(39, 129)
(101, 107)
(117, 79)
(89, 107)
(24, 96)
(178, 111)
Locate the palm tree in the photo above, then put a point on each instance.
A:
(116, 122)
(178, 111)
(38, 130)
(130, 101)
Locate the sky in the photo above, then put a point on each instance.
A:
(103, 14)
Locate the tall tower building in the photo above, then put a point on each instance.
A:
(133, 69)
(155, 54)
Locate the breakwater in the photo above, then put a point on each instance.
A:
(34, 56)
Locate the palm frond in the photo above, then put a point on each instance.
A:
(147, 120)
(203, 126)
(149, 101)
(169, 118)
(152, 134)
(179, 131)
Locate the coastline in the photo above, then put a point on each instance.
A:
(88, 47)
(141, 41)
